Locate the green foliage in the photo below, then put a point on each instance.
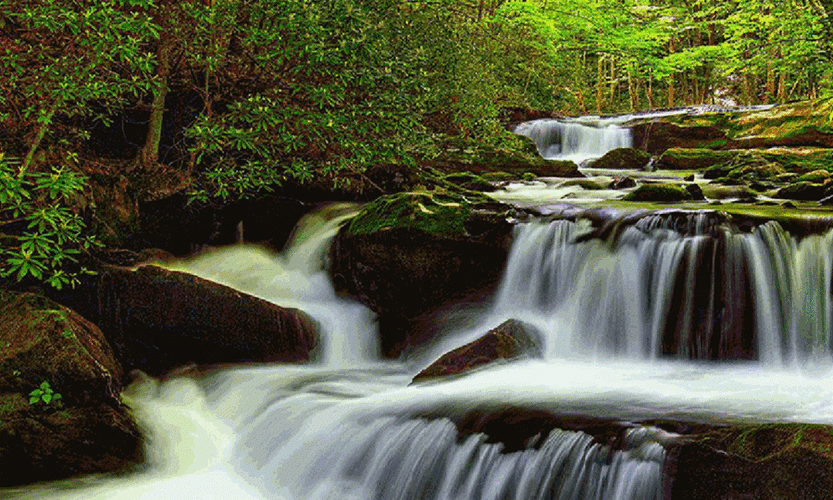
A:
(431, 212)
(45, 396)
(53, 233)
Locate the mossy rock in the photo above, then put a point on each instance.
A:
(718, 171)
(658, 192)
(498, 176)
(802, 190)
(693, 159)
(588, 184)
(816, 176)
(623, 158)
(757, 172)
(430, 212)
(468, 180)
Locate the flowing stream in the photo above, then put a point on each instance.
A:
(626, 328)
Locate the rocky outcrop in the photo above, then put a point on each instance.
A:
(409, 254)
(47, 350)
(622, 158)
(512, 339)
(771, 461)
(657, 136)
(158, 320)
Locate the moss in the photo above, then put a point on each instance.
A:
(658, 192)
(429, 212)
(587, 184)
(498, 176)
(756, 172)
(816, 176)
(529, 176)
(623, 158)
(693, 159)
(802, 190)
(468, 180)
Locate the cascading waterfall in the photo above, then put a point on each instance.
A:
(622, 308)
(669, 286)
(575, 140)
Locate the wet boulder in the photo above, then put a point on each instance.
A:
(512, 339)
(693, 159)
(659, 192)
(803, 190)
(657, 136)
(622, 183)
(409, 254)
(60, 409)
(158, 320)
(622, 158)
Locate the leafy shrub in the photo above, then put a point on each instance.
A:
(44, 395)
(40, 229)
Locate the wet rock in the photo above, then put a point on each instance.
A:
(802, 190)
(586, 184)
(816, 176)
(49, 348)
(623, 158)
(658, 192)
(771, 461)
(657, 136)
(623, 183)
(513, 339)
(695, 192)
(409, 254)
(158, 320)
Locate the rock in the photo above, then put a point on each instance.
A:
(695, 192)
(826, 201)
(622, 183)
(802, 190)
(409, 254)
(48, 347)
(689, 178)
(586, 184)
(658, 192)
(623, 158)
(770, 461)
(471, 181)
(693, 159)
(158, 320)
(513, 339)
(658, 136)
(816, 176)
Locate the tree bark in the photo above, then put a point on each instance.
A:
(150, 151)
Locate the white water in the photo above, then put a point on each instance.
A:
(350, 426)
(575, 140)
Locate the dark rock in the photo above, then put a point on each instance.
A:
(689, 178)
(657, 136)
(658, 192)
(826, 201)
(158, 320)
(407, 255)
(513, 339)
(763, 462)
(802, 191)
(623, 158)
(87, 430)
(695, 192)
(623, 183)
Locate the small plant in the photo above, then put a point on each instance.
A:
(45, 396)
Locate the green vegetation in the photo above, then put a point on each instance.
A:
(658, 192)
(45, 396)
(51, 233)
(431, 212)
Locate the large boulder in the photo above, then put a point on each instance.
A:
(48, 350)
(158, 320)
(622, 158)
(659, 192)
(408, 254)
(693, 159)
(656, 136)
(512, 339)
(763, 462)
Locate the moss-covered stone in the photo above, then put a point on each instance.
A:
(802, 190)
(816, 176)
(623, 158)
(430, 212)
(693, 159)
(658, 192)
(587, 184)
(756, 172)
(468, 180)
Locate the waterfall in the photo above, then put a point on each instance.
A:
(623, 306)
(684, 286)
(575, 140)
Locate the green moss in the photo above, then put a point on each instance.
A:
(693, 159)
(430, 212)
(658, 192)
(469, 181)
(816, 176)
(756, 172)
(587, 184)
(498, 176)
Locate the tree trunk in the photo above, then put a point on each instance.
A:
(150, 152)
(599, 86)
